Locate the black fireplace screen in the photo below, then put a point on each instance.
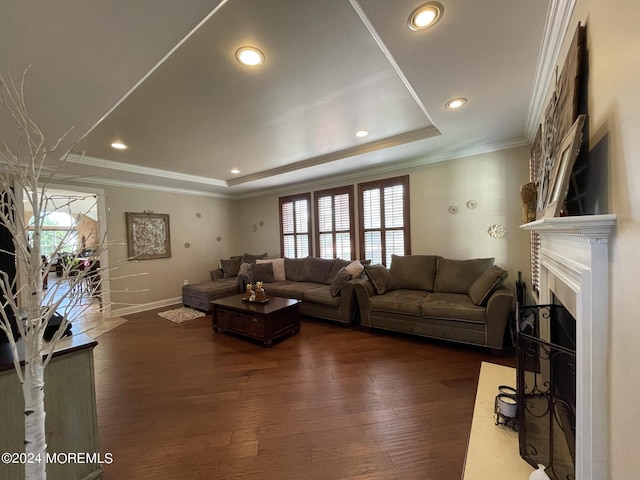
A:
(546, 385)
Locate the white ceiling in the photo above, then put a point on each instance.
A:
(161, 77)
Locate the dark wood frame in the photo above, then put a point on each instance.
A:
(381, 184)
(567, 154)
(160, 246)
(293, 198)
(331, 192)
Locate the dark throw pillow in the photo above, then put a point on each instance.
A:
(262, 272)
(484, 286)
(250, 258)
(339, 281)
(381, 279)
(231, 267)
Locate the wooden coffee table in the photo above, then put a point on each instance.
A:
(260, 321)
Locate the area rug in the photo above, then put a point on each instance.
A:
(182, 314)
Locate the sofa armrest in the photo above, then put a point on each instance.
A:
(363, 291)
(499, 308)
(216, 274)
(348, 303)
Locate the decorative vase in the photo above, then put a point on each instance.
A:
(529, 194)
(539, 474)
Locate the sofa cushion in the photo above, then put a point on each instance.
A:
(342, 277)
(381, 279)
(321, 295)
(262, 272)
(230, 267)
(403, 301)
(316, 270)
(416, 272)
(289, 289)
(293, 268)
(482, 288)
(278, 267)
(457, 276)
(456, 306)
(251, 258)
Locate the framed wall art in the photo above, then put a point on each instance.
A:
(561, 173)
(148, 236)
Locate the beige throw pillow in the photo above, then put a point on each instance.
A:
(355, 268)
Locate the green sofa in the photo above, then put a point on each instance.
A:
(464, 301)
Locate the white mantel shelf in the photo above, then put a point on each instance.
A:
(596, 227)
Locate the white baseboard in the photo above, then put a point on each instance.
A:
(143, 307)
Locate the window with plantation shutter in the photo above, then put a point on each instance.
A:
(335, 228)
(384, 219)
(295, 225)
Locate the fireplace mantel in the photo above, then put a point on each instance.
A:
(586, 227)
(574, 265)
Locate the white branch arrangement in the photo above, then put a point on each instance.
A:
(29, 166)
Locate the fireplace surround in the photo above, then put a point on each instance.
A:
(574, 266)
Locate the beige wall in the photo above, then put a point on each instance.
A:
(613, 43)
(162, 279)
(492, 180)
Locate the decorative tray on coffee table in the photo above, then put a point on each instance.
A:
(264, 300)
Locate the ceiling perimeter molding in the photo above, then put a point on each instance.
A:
(148, 186)
(392, 61)
(393, 141)
(387, 168)
(154, 172)
(555, 29)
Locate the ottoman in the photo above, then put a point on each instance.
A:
(199, 295)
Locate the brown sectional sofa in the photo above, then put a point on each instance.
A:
(312, 280)
(460, 300)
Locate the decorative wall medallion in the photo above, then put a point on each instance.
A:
(497, 231)
(472, 204)
(453, 209)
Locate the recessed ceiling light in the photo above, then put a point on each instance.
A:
(362, 133)
(249, 56)
(425, 16)
(119, 146)
(456, 103)
(235, 171)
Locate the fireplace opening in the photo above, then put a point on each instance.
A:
(546, 385)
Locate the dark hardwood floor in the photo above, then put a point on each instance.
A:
(182, 402)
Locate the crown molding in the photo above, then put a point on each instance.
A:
(390, 167)
(154, 172)
(144, 186)
(555, 29)
(393, 141)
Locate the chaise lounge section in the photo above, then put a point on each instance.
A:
(464, 301)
